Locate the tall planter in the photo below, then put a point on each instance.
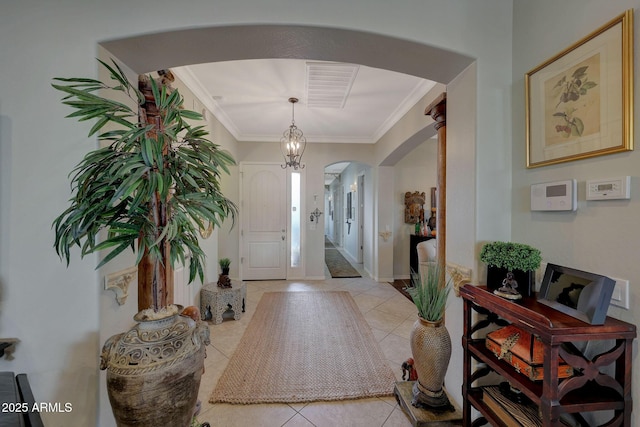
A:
(431, 350)
(154, 371)
(152, 185)
(525, 279)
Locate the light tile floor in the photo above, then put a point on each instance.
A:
(390, 316)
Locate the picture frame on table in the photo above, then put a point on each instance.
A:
(579, 103)
(580, 294)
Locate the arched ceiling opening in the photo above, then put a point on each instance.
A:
(150, 52)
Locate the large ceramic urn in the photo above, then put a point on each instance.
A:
(431, 351)
(154, 370)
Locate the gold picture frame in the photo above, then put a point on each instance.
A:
(579, 103)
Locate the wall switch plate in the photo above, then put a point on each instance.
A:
(620, 296)
(609, 189)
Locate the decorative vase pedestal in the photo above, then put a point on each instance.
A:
(154, 370)
(420, 417)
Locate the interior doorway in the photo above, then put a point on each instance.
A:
(263, 222)
(350, 211)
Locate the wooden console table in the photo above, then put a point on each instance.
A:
(217, 300)
(590, 389)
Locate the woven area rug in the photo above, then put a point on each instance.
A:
(304, 347)
(338, 266)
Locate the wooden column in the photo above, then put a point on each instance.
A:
(438, 111)
(155, 277)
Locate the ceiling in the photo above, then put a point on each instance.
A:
(250, 98)
(338, 102)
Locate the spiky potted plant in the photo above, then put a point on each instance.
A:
(223, 280)
(154, 181)
(430, 340)
(510, 268)
(224, 265)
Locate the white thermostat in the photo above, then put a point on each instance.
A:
(554, 196)
(609, 189)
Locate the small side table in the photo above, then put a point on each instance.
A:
(219, 300)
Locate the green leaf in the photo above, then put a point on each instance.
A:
(579, 72)
(117, 75)
(577, 127)
(189, 114)
(112, 186)
(114, 253)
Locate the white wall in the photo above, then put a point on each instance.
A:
(349, 178)
(465, 216)
(601, 237)
(417, 171)
(41, 39)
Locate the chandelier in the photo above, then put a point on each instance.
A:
(293, 142)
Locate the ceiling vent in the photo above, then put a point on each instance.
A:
(329, 84)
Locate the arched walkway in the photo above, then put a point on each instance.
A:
(150, 52)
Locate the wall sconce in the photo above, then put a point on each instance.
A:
(354, 187)
(315, 215)
(385, 235)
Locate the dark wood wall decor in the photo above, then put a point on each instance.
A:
(414, 207)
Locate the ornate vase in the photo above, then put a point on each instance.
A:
(154, 370)
(431, 350)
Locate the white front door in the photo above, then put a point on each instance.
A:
(263, 216)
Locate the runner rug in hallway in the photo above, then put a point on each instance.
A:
(338, 266)
(304, 347)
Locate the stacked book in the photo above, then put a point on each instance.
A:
(513, 414)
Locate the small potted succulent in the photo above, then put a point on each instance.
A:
(224, 265)
(510, 268)
(224, 281)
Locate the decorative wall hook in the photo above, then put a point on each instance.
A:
(460, 276)
(119, 283)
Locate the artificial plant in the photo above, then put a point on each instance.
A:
(511, 256)
(429, 293)
(155, 180)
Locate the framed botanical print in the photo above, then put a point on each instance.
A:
(579, 103)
